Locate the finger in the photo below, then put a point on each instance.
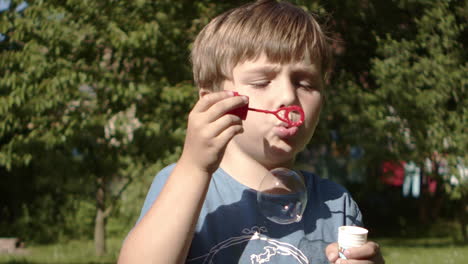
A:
(354, 261)
(209, 99)
(198, 118)
(229, 133)
(367, 251)
(214, 129)
(222, 107)
(331, 251)
(224, 122)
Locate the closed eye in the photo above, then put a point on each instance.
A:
(306, 80)
(259, 84)
(305, 85)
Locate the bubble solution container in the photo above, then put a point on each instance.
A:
(349, 237)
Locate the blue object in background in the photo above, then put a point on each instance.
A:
(412, 180)
(4, 5)
(334, 135)
(21, 7)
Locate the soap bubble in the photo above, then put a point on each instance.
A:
(282, 196)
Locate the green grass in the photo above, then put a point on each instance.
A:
(440, 250)
(437, 250)
(72, 252)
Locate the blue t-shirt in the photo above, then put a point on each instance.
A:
(231, 229)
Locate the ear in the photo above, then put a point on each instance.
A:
(203, 91)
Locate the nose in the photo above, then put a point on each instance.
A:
(287, 93)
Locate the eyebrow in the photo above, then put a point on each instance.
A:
(306, 72)
(311, 73)
(268, 69)
(275, 68)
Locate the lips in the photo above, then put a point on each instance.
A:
(285, 132)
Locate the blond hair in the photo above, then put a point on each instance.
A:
(280, 30)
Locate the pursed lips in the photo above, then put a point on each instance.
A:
(283, 131)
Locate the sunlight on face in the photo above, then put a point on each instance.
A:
(271, 86)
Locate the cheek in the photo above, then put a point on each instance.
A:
(316, 110)
(255, 122)
(256, 126)
(313, 107)
(312, 113)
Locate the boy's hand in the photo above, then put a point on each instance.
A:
(210, 129)
(368, 253)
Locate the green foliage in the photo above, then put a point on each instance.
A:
(92, 89)
(89, 89)
(400, 78)
(423, 81)
(399, 90)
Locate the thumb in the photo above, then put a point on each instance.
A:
(332, 252)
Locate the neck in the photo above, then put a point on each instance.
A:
(244, 169)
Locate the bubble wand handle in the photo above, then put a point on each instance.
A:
(287, 111)
(242, 113)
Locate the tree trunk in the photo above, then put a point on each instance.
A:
(463, 221)
(100, 221)
(100, 233)
(463, 230)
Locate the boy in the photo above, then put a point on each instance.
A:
(203, 209)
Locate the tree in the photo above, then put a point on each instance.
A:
(418, 105)
(100, 84)
(399, 85)
(425, 83)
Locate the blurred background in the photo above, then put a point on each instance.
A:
(94, 97)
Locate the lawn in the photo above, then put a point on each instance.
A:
(73, 252)
(440, 250)
(437, 250)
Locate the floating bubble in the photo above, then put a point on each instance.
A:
(282, 196)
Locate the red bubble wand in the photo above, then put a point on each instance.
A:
(285, 117)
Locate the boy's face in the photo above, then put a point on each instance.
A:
(270, 86)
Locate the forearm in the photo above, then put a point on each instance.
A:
(164, 234)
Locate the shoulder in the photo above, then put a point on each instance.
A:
(334, 197)
(325, 188)
(156, 187)
(165, 171)
(160, 179)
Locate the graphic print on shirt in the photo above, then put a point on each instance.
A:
(271, 250)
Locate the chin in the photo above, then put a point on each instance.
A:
(290, 146)
(280, 156)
